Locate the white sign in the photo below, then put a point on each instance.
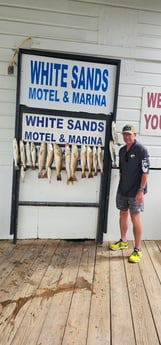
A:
(151, 112)
(64, 84)
(61, 130)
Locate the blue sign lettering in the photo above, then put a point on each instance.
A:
(44, 121)
(85, 140)
(89, 99)
(43, 94)
(48, 73)
(39, 136)
(89, 78)
(85, 125)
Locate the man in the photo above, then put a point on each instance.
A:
(134, 169)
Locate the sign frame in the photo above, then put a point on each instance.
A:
(108, 117)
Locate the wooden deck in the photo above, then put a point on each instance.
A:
(77, 293)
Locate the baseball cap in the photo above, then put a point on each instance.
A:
(128, 129)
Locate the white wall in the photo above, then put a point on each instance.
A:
(124, 30)
(151, 217)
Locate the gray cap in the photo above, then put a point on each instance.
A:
(128, 129)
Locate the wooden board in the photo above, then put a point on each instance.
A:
(144, 328)
(99, 318)
(152, 280)
(27, 276)
(77, 323)
(120, 305)
(55, 322)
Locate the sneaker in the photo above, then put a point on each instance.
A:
(118, 245)
(135, 256)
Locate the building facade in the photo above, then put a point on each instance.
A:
(119, 30)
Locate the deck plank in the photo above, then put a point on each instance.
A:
(33, 265)
(54, 326)
(19, 269)
(99, 319)
(12, 255)
(6, 248)
(154, 251)
(77, 323)
(121, 319)
(144, 328)
(34, 310)
(151, 280)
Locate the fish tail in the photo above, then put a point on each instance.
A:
(74, 178)
(70, 181)
(83, 175)
(59, 177)
(16, 167)
(90, 175)
(40, 175)
(49, 179)
(22, 174)
(45, 175)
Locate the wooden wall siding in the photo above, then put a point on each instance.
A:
(147, 5)
(59, 25)
(123, 29)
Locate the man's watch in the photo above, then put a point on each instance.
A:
(141, 188)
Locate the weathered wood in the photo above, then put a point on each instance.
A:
(151, 278)
(6, 247)
(64, 292)
(27, 275)
(77, 323)
(158, 243)
(56, 319)
(16, 266)
(143, 323)
(33, 310)
(121, 319)
(99, 319)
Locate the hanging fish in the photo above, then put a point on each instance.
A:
(58, 160)
(28, 154)
(15, 153)
(112, 153)
(114, 133)
(33, 155)
(50, 155)
(100, 159)
(49, 161)
(83, 160)
(42, 158)
(23, 154)
(74, 162)
(48, 174)
(68, 163)
(95, 160)
(89, 161)
(22, 173)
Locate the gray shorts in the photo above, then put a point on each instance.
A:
(125, 203)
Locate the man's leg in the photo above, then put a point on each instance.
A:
(123, 224)
(137, 229)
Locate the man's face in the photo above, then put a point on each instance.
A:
(129, 138)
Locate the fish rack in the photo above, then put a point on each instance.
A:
(101, 204)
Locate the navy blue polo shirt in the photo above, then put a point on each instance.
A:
(132, 164)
